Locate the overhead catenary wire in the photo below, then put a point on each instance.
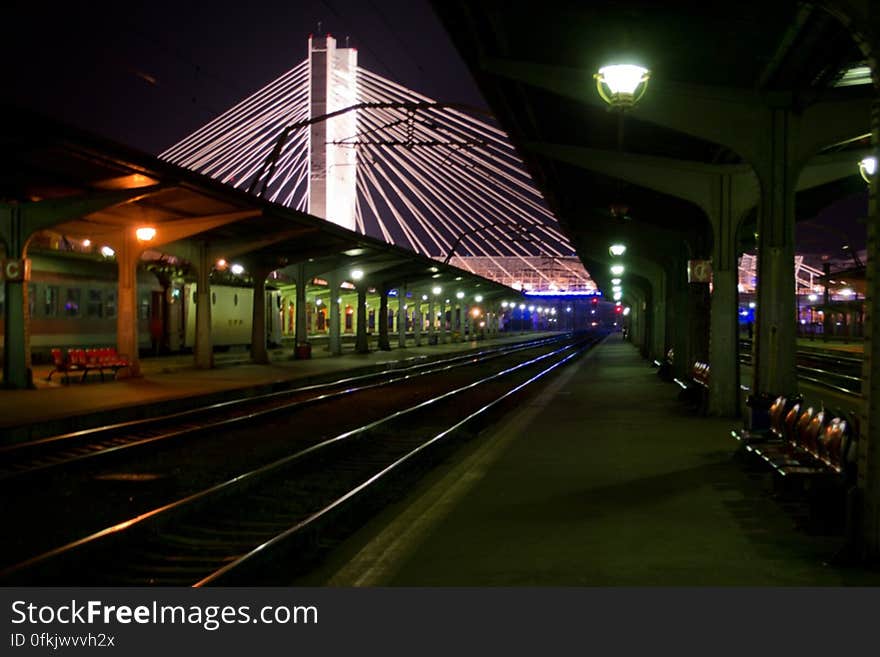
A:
(432, 177)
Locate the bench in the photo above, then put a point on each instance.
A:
(85, 361)
(774, 428)
(696, 389)
(664, 370)
(813, 457)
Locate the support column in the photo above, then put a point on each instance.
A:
(774, 349)
(401, 319)
(382, 319)
(361, 345)
(432, 320)
(417, 320)
(204, 347)
(16, 344)
(444, 329)
(335, 343)
(285, 316)
(128, 253)
(258, 322)
(301, 330)
(680, 324)
(864, 515)
(467, 326)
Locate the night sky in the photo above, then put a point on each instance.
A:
(148, 74)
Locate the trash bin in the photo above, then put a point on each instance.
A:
(304, 351)
(758, 417)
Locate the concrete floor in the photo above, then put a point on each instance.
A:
(601, 479)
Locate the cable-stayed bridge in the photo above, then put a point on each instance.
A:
(333, 139)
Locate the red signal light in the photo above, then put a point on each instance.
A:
(618, 309)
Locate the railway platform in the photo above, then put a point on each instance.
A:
(170, 384)
(601, 479)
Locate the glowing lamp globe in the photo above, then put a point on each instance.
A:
(145, 233)
(622, 85)
(617, 270)
(868, 168)
(617, 249)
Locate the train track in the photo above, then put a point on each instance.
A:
(273, 516)
(836, 372)
(23, 459)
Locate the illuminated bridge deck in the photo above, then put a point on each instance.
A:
(603, 478)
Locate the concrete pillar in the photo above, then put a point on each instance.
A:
(128, 253)
(774, 360)
(285, 316)
(335, 342)
(258, 322)
(301, 330)
(362, 346)
(204, 347)
(16, 344)
(432, 320)
(401, 319)
(382, 320)
(680, 323)
(418, 319)
(444, 328)
(467, 325)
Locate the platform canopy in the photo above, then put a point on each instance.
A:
(110, 188)
(535, 62)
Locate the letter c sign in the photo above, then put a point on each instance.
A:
(17, 270)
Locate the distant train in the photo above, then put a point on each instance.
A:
(73, 303)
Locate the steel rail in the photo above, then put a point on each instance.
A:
(96, 449)
(255, 476)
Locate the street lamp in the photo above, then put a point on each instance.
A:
(622, 85)
(868, 167)
(617, 249)
(617, 270)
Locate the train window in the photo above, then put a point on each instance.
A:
(71, 305)
(144, 306)
(50, 301)
(110, 304)
(95, 304)
(235, 299)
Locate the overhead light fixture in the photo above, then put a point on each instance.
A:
(86, 243)
(618, 296)
(459, 295)
(617, 270)
(853, 76)
(436, 290)
(868, 168)
(107, 252)
(145, 233)
(617, 249)
(622, 85)
(478, 298)
(424, 297)
(237, 269)
(357, 274)
(615, 281)
(220, 264)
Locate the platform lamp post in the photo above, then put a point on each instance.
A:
(868, 168)
(621, 86)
